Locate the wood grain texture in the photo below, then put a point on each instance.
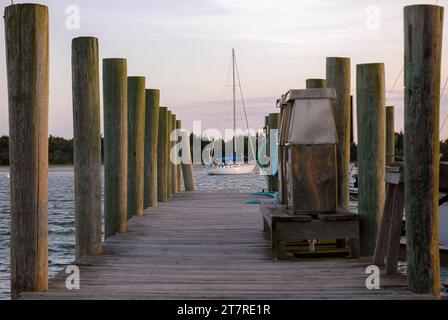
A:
(389, 235)
(352, 120)
(187, 170)
(371, 112)
(339, 78)
(151, 140)
(27, 61)
(162, 160)
(136, 144)
(395, 230)
(390, 134)
(273, 124)
(179, 167)
(87, 145)
(172, 148)
(115, 99)
(211, 246)
(423, 28)
(169, 176)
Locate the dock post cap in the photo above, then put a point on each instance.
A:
(370, 64)
(18, 5)
(422, 6)
(114, 59)
(338, 58)
(84, 38)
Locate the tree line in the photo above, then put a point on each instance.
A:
(60, 150)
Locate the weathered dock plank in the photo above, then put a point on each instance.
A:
(211, 246)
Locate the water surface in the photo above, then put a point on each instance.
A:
(61, 215)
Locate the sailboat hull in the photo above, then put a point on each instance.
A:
(232, 170)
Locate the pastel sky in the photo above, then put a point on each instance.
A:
(184, 49)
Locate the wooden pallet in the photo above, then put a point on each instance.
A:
(282, 226)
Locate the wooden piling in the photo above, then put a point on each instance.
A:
(390, 135)
(178, 167)
(174, 167)
(162, 160)
(273, 124)
(371, 116)
(115, 145)
(27, 60)
(316, 83)
(352, 121)
(423, 28)
(136, 145)
(169, 184)
(187, 168)
(274, 121)
(339, 78)
(87, 146)
(266, 128)
(151, 139)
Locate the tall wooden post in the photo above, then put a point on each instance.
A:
(87, 146)
(339, 78)
(352, 121)
(423, 27)
(390, 135)
(274, 121)
(371, 115)
(257, 144)
(187, 168)
(266, 127)
(151, 138)
(162, 161)
(273, 124)
(27, 59)
(316, 83)
(169, 188)
(136, 144)
(188, 173)
(115, 93)
(174, 167)
(178, 167)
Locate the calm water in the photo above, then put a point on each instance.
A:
(61, 215)
(61, 221)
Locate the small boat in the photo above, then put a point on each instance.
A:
(231, 169)
(230, 166)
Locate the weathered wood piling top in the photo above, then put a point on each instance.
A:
(211, 246)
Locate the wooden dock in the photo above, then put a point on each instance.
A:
(211, 246)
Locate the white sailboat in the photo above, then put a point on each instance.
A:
(233, 168)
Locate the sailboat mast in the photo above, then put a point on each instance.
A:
(234, 99)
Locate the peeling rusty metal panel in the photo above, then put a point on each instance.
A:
(311, 178)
